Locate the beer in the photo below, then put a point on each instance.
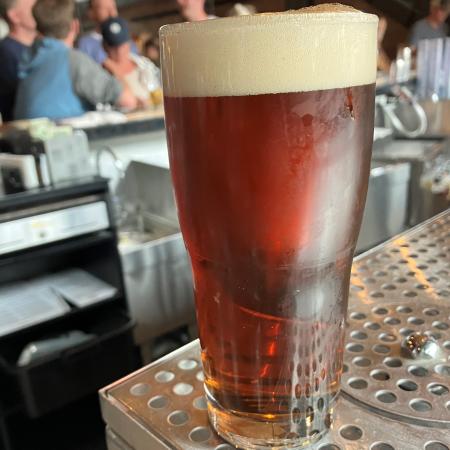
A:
(270, 169)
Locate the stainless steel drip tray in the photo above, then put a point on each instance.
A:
(388, 402)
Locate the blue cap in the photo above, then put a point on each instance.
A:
(115, 31)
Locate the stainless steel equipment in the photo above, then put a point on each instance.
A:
(426, 118)
(155, 263)
(386, 210)
(421, 155)
(388, 402)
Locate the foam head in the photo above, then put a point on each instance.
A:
(323, 47)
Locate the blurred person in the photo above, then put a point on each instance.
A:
(383, 60)
(91, 43)
(57, 81)
(137, 72)
(433, 26)
(151, 50)
(193, 10)
(240, 9)
(22, 31)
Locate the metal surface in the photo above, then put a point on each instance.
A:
(388, 401)
(386, 210)
(421, 155)
(437, 115)
(157, 273)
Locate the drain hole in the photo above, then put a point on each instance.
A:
(431, 312)
(379, 348)
(433, 334)
(355, 348)
(381, 446)
(380, 375)
(351, 433)
(380, 311)
(369, 280)
(420, 405)
(226, 447)
(416, 321)
(447, 345)
(357, 316)
(178, 418)
(158, 402)
(435, 446)
(404, 309)
(358, 383)
(389, 287)
(200, 403)
(140, 389)
(200, 434)
(329, 447)
(438, 389)
(358, 335)
(372, 325)
(393, 362)
(418, 371)
(406, 331)
(400, 280)
(380, 273)
(392, 321)
(407, 385)
(387, 337)
(441, 325)
(164, 376)
(183, 389)
(361, 361)
(409, 294)
(442, 369)
(386, 396)
(187, 364)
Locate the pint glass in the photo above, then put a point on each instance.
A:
(269, 123)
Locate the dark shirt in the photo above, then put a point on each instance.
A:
(10, 55)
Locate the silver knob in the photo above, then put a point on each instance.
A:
(419, 345)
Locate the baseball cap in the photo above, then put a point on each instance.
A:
(115, 31)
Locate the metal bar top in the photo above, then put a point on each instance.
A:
(388, 401)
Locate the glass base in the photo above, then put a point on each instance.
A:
(256, 433)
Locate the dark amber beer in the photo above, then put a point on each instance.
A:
(270, 125)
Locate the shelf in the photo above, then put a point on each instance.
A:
(64, 246)
(73, 314)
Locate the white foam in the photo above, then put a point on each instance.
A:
(317, 48)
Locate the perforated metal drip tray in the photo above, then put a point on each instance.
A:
(388, 401)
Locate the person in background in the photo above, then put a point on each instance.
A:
(91, 43)
(383, 61)
(22, 31)
(433, 26)
(193, 10)
(56, 81)
(151, 50)
(137, 72)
